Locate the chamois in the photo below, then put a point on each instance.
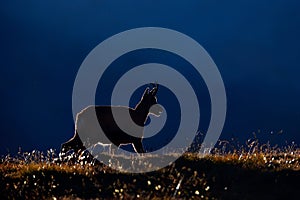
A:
(105, 118)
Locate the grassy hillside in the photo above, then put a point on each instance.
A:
(237, 175)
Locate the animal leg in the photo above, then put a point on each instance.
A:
(74, 143)
(138, 146)
(113, 149)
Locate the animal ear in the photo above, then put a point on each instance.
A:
(146, 92)
(154, 90)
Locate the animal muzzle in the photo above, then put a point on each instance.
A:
(156, 110)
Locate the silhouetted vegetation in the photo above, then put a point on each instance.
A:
(257, 173)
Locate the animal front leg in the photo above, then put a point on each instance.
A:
(113, 149)
(138, 146)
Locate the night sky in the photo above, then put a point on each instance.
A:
(255, 45)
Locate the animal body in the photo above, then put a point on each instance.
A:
(99, 148)
(118, 135)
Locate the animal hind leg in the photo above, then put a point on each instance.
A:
(74, 143)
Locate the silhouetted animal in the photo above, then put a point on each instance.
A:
(86, 126)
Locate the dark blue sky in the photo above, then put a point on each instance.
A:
(255, 45)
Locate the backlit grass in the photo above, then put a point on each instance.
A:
(248, 173)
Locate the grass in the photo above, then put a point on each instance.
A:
(249, 173)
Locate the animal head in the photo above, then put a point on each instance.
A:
(149, 100)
